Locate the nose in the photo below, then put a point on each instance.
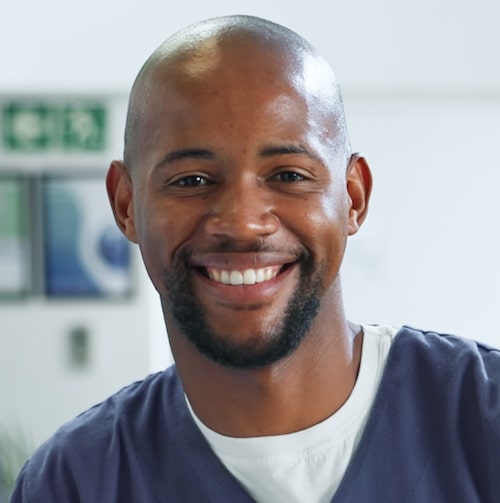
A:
(242, 210)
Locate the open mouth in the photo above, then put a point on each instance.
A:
(249, 276)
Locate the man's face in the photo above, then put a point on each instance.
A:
(240, 205)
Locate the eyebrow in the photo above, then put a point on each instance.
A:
(201, 153)
(283, 150)
(288, 149)
(186, 153)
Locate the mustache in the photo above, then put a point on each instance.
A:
(232, 246)
(228, 245)
(182, 259)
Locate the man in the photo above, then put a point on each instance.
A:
(240, 188)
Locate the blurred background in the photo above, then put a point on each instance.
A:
(78, 319)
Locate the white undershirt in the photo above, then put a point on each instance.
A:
(307, 465)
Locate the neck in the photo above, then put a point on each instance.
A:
(297, 392)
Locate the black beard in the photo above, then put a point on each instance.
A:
(262, 349)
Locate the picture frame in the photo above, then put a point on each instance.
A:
(15, 236)
(84, 252)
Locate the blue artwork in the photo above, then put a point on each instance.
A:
(85, 253)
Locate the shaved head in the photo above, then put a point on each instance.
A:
(242, 44)
(237, 161)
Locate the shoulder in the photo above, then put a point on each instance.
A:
(129, 408)
(433, 431)
(451, 375)
(87, 446)
(447, 352)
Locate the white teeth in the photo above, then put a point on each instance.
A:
(225, 277)
(247, 277)
(236, 278)
(260, 276)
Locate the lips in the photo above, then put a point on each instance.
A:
(243, 280)
(249, 276)
(243, 276)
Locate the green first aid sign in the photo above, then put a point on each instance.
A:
(38, 127)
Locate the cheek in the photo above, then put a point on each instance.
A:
(335, 203)
(163, 230)
(327, 229)
(329, 215)
(156, 237)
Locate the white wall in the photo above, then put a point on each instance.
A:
(99, 45)
(39, 387)
(422, 89)
(427, 255)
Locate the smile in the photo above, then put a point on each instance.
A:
(246, 277)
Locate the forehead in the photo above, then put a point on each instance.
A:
(242, 73)
(239, 82)
(219, 67)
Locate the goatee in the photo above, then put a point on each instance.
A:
(260, 350)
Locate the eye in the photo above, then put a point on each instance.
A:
(287, 176)
(191, 181)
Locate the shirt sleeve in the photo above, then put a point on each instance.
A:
(20, 493)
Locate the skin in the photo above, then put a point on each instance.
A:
(236, 144)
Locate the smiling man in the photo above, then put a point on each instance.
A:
(240, 188)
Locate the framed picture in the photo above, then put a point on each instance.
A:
(85, 254)
(15, 260)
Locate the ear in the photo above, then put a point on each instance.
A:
(119, 187)
(359, 187)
